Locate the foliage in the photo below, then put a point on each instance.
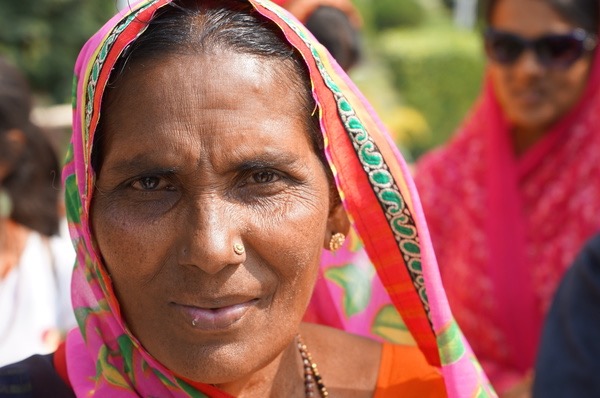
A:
(438, 70)
(43, 37)
(407, 125)
(393, 13)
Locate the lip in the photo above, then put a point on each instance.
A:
(530, 98)
(220, 317)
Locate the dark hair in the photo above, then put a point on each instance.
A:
(32, 180)
(332, 28)
(195, 27)
(582, 13)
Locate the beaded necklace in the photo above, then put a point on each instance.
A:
(312, 377)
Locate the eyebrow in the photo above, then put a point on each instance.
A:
(267, 161)
(142, 162)
(137, 164)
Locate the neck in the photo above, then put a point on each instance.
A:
(524, 138)
(282, 377)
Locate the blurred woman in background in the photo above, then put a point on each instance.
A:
(35, 264)
(513, 197)
(334, 23)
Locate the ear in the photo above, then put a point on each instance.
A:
(337, 222)
(14, 139)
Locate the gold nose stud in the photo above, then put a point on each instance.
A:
(239, 249)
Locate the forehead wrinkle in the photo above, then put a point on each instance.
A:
(184, 79)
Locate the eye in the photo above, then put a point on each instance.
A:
(264, 177)
(150, 183)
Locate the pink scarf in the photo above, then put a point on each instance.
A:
(506, 228)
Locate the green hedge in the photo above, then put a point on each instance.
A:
(437, 71)
(393, 13)
(43, 38)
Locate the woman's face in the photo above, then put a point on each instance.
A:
(202, 153)
(532, 96)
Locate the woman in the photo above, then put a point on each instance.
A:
(215, 153)
(35, 263)
(512, 198)
(334, 23)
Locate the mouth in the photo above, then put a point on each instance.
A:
(215, 318)
(531, 97)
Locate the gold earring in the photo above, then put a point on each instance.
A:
(337, 240)
(239, 249)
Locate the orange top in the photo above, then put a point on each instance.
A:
(404, 372)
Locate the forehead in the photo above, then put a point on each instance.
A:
(211, 98)
(528, 18)
(174, 80)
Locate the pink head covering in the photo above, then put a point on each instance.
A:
(105, 358)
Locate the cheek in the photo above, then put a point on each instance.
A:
(500, 81)
(570, 85)
(292, 242)
(132, 250)
(297, 237)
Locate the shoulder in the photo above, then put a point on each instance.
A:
(451, 151)
(592, 252)
(354, 366)
(442, 169)
(570, 334)
(582, 279)
(34, 377)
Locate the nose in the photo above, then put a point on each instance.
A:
(528, 65)
(210, 232)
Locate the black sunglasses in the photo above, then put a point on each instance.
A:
(551, 51)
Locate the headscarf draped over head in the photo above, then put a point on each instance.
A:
(104, 358)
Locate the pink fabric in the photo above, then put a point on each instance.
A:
(505, 227)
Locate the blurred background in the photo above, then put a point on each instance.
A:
(421, 65)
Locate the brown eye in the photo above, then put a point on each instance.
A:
(147, 183)
(264, 177)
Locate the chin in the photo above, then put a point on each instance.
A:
(214, 364)
(534, 120)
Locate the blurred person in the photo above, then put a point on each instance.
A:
(35, 263)
(568, 363)
(334, 23)
(513, 196)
